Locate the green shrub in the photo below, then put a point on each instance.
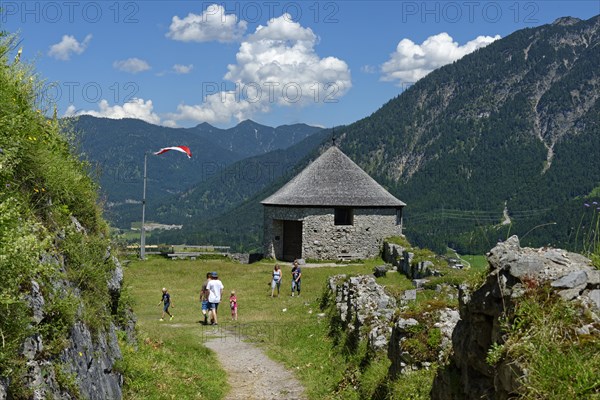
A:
(42, 186)
(67, 381)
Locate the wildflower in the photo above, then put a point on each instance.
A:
(595, 203)
(586, 204)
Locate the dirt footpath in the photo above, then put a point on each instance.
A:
(251, 374)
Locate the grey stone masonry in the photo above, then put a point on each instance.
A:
(362, 303)
(323, 240)
(513, 270)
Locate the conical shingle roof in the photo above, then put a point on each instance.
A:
(333, 179)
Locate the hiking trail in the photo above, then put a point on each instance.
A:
(250, 373)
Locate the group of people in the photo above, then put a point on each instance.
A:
(277, 277)
(212, 293)
(210, 298)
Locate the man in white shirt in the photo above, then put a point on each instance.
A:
(215, 291)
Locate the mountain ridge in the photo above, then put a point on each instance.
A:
(513, 125)
(115, 149)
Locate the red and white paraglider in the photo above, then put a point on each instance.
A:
(182, 149)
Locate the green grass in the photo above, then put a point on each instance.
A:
(171, 361)
(395, 283)
(542, 339)
(296, 337)
(43, 188)
(478, 261)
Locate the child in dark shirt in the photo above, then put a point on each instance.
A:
(166, 300)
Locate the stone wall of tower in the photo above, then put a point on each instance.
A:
(323, 240)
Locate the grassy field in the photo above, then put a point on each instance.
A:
(171, 361)
(476, 261)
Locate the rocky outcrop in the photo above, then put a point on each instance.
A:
(512, 271)
(3, 388)
(363, 308)
(88, 362)
(392, 253)
(85, 367)
(92, 362)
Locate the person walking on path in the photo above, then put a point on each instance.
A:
(204, 298)
(276, 282)
(166, 301)
(296, 278)
(215, 291)
(233, 306)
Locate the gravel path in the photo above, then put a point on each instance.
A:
(251, 374)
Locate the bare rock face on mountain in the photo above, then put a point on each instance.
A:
(512, 270)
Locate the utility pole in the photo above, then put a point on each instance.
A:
(143, 228)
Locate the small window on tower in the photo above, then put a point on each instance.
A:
(343, 216)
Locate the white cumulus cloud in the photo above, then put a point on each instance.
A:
(136, 108)
(276, 65)
(410, 62)
(214, 24)
(182, 69)
(67, 46)
(132, 65)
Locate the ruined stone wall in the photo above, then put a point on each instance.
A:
(365, 312)
(468, 375)
(325, 241)
(361, 303)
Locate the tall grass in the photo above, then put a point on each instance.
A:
(542, 339)
(43, 186)
(587, 237)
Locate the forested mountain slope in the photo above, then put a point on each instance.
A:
(515, 123)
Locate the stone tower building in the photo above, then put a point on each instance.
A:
(331, 210)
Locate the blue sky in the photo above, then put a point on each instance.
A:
(180, 63)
